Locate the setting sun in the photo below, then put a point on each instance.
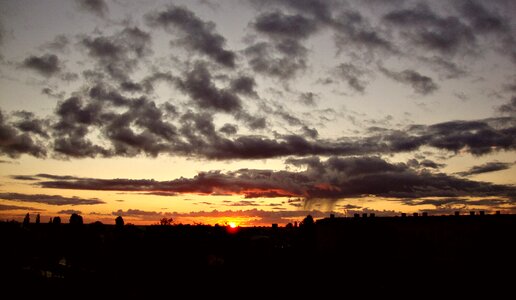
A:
(232, 224)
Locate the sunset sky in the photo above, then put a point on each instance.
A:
(256, 112)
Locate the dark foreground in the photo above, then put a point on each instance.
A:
(414, 257)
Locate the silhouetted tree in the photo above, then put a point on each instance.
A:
(166, 222)
(56, 220)
(26, 220)
(119, 222)
(75, 219)
(308, 222)
(38, 219)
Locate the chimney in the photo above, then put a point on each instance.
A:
(415, 214)
(364, 215)
(403, 215)
(457, 213)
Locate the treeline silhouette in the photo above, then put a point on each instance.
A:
(370, 255)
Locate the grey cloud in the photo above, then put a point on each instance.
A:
(199, 35)
(353, 76)
(13, 143)
(60, 43)
(46, 65)
(486, 168)
(308, 98)
(97, 7)
(50, 199)
(119, 54)
(509, 108)
(424, 28)
(421, 84)
(446, 68)
(263, 59)
(353, 29)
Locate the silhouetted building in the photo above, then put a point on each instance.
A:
(56, 220)
(356, 215)
(497, 213)
(403, 215)
(372, 215)
(332, 216)
(425, 214)
(415, 214)
(457, 213)
(38, 219)
(472, 213)
(481, 212)
(274, 226)
(364, 215)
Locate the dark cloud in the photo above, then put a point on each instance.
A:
(97, 7)
(486, 168)
(16, 207)
(353, 30)
(310, 132)
(509, 108)
(50, 199)
(198, 84)
(13, 143)
(421, 84)
(284, 60)
(28, 122)
(244, 85)
(118, 55)
(277, 24)
(445, 68)
(45, 65)
(51, 93)
(199, 36)
(25, 177)
(482, 19)
(425, 163)
(333, 179)
(422, 27)
(353, 76)
(69, 212)
(461, 203)
(229, 129)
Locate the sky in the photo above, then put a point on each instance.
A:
(256, 112)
